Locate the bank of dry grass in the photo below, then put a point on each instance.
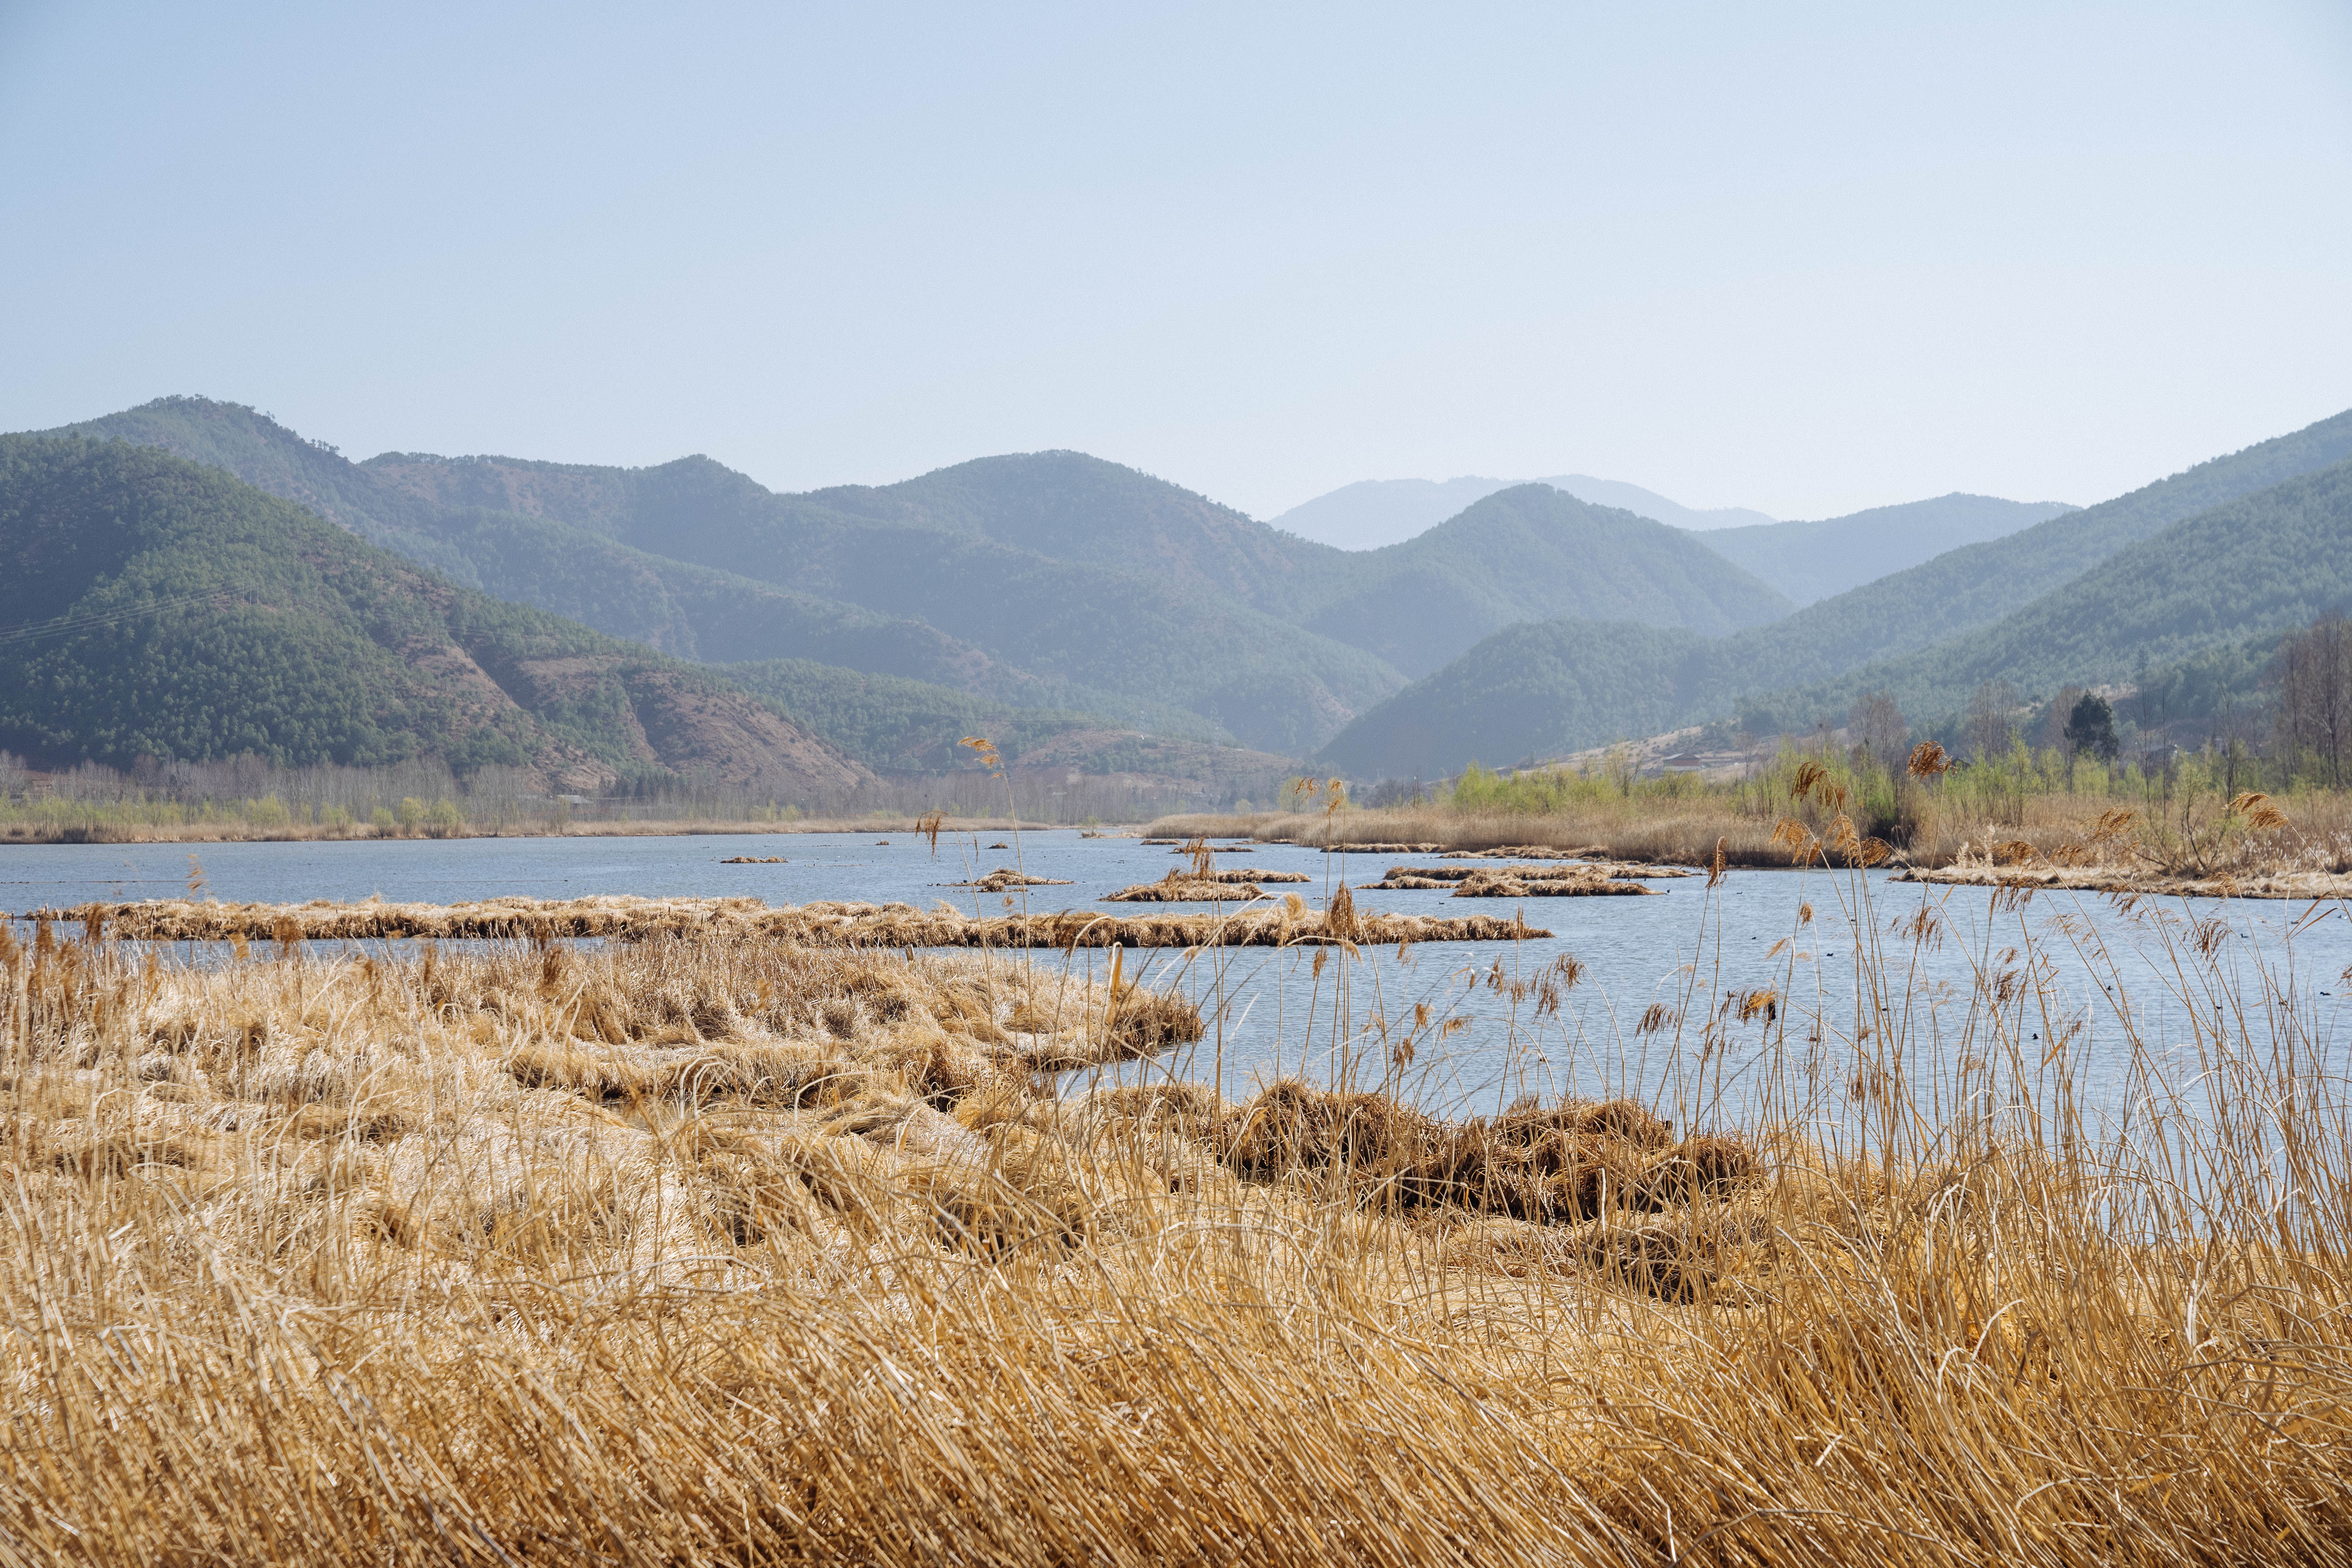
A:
(736, 1250)
(2058, 829)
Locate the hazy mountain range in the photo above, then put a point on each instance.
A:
(1082, 611)
(2241, 546)
(1373, 513)
(1805, 561)
(1051, 579)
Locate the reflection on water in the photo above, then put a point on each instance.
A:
(1456, 1025)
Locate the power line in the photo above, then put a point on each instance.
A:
(92, 619)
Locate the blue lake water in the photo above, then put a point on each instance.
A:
(1274, 1011)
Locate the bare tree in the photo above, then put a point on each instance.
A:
(2050, 730)
(1878, 727)
(1993, 719)
(2314, 678)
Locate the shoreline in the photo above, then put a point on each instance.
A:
(2317, 886)
(15, 835)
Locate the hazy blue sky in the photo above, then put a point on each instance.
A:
(1805, 259)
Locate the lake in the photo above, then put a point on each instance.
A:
(1278, 1011)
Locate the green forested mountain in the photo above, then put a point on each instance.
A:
(1530, 553)
(1531, 692)
(893, 724)
(1912, 611)
(550, 535)
(2248, 569)
(1814, 561)
(161, 607)
(1106, 624)
(269, 457)
(793, 577)
(1048, 580)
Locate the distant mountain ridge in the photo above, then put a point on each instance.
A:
(1804, 562)
(1693, 680)
(1531, 552)
(1370, 513)
(1810, 562)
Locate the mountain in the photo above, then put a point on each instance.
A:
(896, 725)
(1911, 611)
(544, 534)
(1370, 513)
(269, 457)
(1812, 561)
(1067, 506)
(1528, 554)
(2248, 569)
(161, 608)
(1049, 580)
(909, 726)
(1145, 640)
(1123, 538)
(1136, 587)
(1528, 691)
(1654, 506)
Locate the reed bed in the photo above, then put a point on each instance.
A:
(1289, 922)
(716, 1247)
(2167, 846)
(1683, 833)
(1201, 884)
(1004, 878)
(1555, 879)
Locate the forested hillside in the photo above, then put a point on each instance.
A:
(2249, 569)
(550, 535)
(162, 608)
(1957, 592)
(1048, 580)
(1814, 561)
(1531, 553)
(1531, 691)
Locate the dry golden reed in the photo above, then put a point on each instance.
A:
(720, 1249)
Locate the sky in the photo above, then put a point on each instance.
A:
(1805, 259)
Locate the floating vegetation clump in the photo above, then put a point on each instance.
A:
(1002, 878)
(1540, 881)
(1193, 886)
